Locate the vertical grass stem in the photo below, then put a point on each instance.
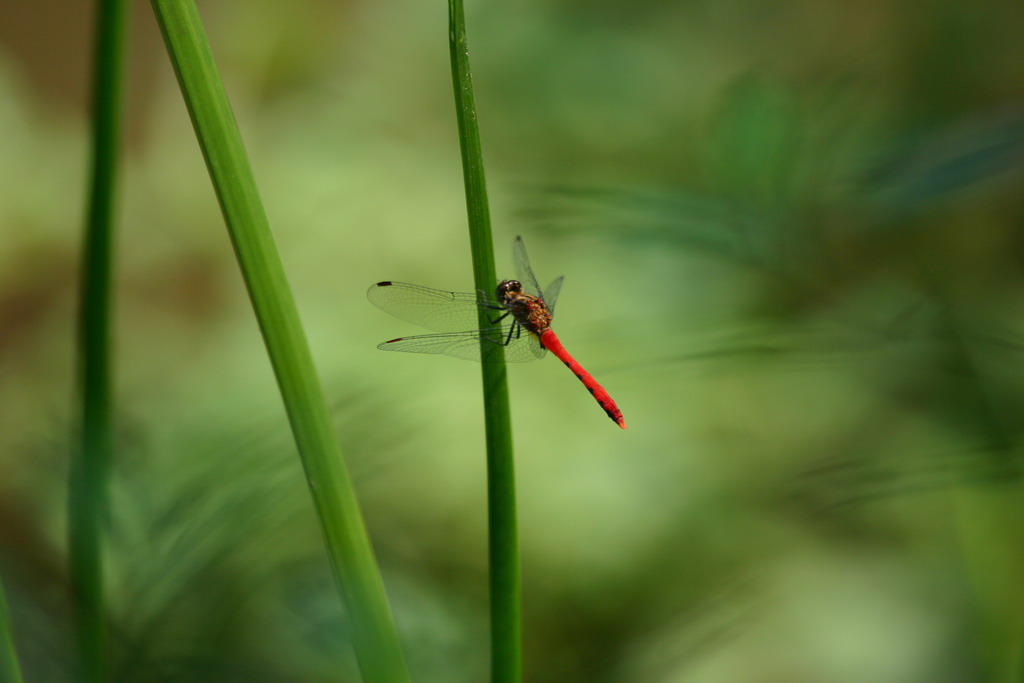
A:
(10, 672)
(87, 508)
(374, 638)
(503, 541)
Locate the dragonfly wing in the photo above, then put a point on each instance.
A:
(466, 345)
(525, 348)
(435, 309)
(523, 270)
(551, 293)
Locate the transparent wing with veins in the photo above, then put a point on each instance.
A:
(529, 281)
(523, 270)
(550, 294)
(434, 309)
(454, 314)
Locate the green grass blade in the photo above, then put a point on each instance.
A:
(374, 638)
(506, 655)
(90, 466)
(10, 672)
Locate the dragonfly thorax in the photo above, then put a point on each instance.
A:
(529, 311)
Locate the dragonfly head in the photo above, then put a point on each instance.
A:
(507, 287)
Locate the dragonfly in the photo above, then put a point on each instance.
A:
(519, 313)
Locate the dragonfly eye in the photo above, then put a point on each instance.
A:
(507, 286)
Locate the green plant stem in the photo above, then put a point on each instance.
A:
(87, 504)
(374, 638)
(506, 649)
(10, 672)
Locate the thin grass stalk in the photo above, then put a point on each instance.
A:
(87, 494)
(503, 540)
(10, 672)
(374, 638)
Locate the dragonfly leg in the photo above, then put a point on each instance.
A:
(498, 320)
(515, 328)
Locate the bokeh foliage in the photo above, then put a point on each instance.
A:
(792, 240)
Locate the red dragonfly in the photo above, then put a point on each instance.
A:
(518, 306)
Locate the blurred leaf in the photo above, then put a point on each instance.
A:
(754, 142)
(939, 165)
(688, 219)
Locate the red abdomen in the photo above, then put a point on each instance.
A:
(550, 341)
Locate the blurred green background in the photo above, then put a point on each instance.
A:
(793, 240)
